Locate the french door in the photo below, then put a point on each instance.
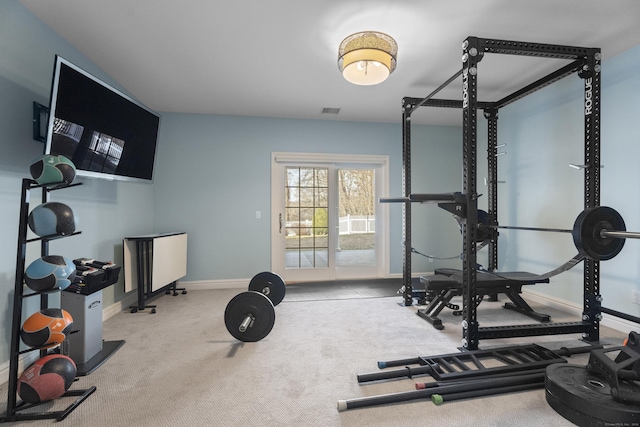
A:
(327, 223)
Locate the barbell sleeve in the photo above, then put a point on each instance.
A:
(619, 234)
(394, 200)
(407, 372)
(245, 323)
(425, 198)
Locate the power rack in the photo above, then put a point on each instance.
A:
(585, 62)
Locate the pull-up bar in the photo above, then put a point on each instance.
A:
(432, 94)
(425, 198)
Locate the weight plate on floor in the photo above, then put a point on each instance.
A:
(258, 308)
(587, 228)
(269, 284)
(585, 399)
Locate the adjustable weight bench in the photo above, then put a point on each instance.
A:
(446, 283)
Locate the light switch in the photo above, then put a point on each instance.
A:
(258, 214)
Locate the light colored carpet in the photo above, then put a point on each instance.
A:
(180, 367)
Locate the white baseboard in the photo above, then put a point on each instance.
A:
(23, 362)
(608, 320)
(414, 275)
(216, 284)
(131, 298)
(119, 306)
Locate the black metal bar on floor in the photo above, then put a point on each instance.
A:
(481, 384)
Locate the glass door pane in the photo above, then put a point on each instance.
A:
(326, 222)
(356, 218)
(306, 217)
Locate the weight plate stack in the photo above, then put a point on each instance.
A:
(585, 399)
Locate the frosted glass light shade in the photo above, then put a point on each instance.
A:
(367, 58)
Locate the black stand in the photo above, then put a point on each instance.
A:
(57, 415)
(474, 373)
(585, 62)
(14, 407)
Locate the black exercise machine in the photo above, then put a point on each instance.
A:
(602, 393)
(583, 62)
(447, 283)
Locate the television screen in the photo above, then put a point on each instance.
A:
(103, 131)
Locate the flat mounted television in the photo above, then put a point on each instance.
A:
(106, 133)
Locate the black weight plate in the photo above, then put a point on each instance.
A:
(484, 233)
(587, 228)
(256, 305)
(269, 284)
(585, 399)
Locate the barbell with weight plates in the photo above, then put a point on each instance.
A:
(598, 232)
(250, 315)
(269, 284)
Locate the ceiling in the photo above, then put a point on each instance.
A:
(278, 58)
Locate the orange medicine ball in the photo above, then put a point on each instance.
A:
(46, 328)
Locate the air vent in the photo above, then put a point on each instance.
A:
(330, 110)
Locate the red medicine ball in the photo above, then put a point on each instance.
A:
(48, 378)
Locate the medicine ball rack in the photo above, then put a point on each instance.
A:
(586, 63)
(15, 408)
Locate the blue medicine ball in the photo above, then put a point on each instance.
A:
(50, 272)
(51, 219)
(51, 169)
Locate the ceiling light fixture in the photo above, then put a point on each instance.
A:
(367, 58)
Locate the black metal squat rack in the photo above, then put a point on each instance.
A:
(586, 63)
(18, 410)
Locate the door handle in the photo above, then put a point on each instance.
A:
(280, 221)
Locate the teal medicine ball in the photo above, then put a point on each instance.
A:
(51, 169)
(50, 272)
(52, 219)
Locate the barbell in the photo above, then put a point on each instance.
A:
(598, 232)
(250, 315)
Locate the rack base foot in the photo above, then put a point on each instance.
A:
(57, 415)
(108, 349)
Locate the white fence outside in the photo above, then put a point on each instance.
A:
(356, 224)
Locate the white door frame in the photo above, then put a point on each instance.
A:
(279, 160)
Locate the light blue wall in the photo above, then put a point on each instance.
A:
(544, 133)
(213, 174)
(107, 211)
